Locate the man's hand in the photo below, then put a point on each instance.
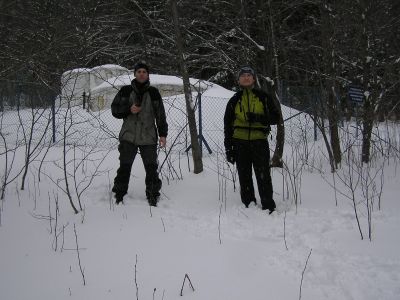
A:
(163, 141)
(135, 109)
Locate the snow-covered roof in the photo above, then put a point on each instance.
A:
(155, 79)
(78, 70)
(109, 66)
(210, 89)
(95, 69)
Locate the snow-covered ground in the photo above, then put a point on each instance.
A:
(200, 228)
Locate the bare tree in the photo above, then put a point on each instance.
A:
(329, 76)
(6, 152)
(196, 152)
(34, 137)
(87, 162)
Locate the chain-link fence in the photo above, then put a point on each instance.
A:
(80, 126)
(76, 125)
(87, 120)
(102, 128)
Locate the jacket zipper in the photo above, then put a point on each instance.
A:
(248, 109)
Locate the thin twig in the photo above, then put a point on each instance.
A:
(284, 230)
(56, 224)
(137, 288)
(162, 221)
(302, 274)
(183, 284)
(1, 208)
(79, 258)
(241, 211)
(50, 218)
(219, 224)
(63, 237)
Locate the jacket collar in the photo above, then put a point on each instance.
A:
(140, 88)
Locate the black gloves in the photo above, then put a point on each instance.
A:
(253, 117)
(230, 156)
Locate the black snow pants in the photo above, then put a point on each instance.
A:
(127, 154)
(249, 155)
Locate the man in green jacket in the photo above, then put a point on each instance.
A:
(248, 116)
(144, 124)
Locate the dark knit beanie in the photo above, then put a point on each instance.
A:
(141, 65)
(247, 70)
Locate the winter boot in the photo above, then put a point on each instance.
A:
(119, 199)
(270, 208)
(152, 200)
(248, 204)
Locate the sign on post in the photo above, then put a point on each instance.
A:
(356, 94)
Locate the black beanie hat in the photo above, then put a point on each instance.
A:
(247, 70)
(141, 65)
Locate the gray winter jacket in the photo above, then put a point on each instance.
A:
(141, 128)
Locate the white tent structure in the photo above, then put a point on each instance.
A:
(77, 84)
(167, 85)
(100, 85)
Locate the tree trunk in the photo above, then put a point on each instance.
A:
(196, 151)
(328, 43)
(368, 111)
(280, 139)
(280, 130)
(333, 125)
(366, 137)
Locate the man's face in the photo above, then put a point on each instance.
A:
(246, 80)
(141, 75)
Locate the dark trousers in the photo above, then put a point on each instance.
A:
(127, 154)
(254, 154)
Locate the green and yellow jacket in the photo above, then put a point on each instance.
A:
(248, 116)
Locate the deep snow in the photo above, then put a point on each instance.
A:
(201, 229)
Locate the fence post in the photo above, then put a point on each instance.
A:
(280, 90)
(200, 135)
(19, 92)
(88, 102)
(53, 114)
(200, 124)
(315, 115)
(84, 99)
(357, 119)
(3, 86)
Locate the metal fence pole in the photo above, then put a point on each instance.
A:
(53, 114)
(315, 115)
(201, 137)
(84, 99)
(200, 124)
(3, 87)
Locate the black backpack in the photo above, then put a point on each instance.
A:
(120, 107)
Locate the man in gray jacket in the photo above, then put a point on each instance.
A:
(144, 123)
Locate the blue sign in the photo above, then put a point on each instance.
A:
(356, 94)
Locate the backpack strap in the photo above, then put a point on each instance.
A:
(120, 106)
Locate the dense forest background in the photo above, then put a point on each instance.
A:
(308, 54)
(311, 49)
